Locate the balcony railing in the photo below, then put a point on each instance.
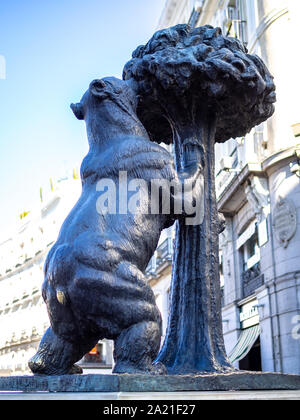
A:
(224, 177)
(252, 279)
(162, 257)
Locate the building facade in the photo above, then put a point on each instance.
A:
(258, 191)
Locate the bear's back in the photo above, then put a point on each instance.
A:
(137, 156)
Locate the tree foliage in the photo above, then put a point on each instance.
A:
(200, 66)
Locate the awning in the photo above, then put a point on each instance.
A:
(244, 344)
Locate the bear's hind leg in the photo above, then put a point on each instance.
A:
(55, 356)
(136, 348)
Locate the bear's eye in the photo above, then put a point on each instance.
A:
(98, 85)
(97, 88)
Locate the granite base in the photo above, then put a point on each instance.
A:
(237, 381)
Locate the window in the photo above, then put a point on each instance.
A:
(235, 21)
(250, 252)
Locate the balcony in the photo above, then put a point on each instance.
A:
(161, 258)
(229, 168)
(252, 279)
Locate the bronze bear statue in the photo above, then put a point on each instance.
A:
(94, 285)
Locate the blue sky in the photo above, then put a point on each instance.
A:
(52, 50)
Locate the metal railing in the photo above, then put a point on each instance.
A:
(162, 255)
(252, 279)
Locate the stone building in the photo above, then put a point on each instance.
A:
(258, 191)
(23, 315)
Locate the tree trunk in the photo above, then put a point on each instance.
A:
(194, 338)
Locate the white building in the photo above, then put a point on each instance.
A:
(258, 190)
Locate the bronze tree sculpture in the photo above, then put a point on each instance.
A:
(196, 88)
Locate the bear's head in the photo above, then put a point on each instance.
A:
(101, 91)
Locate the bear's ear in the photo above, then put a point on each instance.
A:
(96, 87)
(78, 110)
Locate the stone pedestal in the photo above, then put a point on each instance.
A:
(237, 381)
